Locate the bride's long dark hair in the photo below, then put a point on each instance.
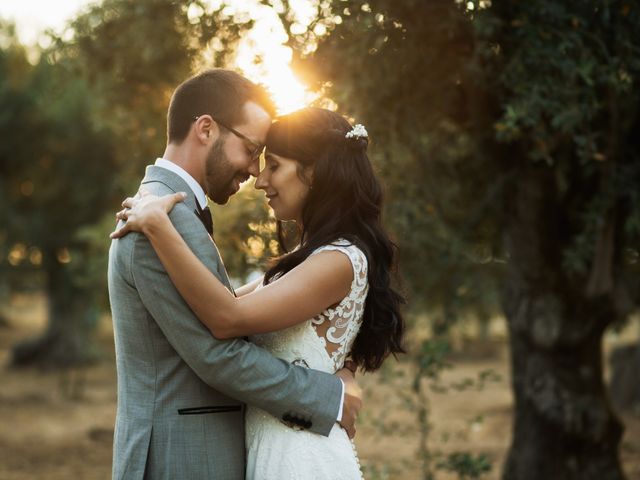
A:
(345, 201)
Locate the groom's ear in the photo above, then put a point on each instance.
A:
(204, 128)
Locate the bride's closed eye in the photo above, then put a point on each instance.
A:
(271, 165)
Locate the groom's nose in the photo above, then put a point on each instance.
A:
(260, 182)
(254, 168)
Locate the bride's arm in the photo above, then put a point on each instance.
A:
(249, 287)
(317, 283)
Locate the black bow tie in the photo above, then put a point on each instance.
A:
(204, 214)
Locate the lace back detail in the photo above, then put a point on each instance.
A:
(338, 325)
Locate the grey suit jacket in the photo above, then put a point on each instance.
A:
(181, 392)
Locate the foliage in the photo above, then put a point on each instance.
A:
(16, 102)
(80, 125)
(416, 381)
(245, 233)
(44, 210)
(455, 94)
(466, 465)
(133, 54)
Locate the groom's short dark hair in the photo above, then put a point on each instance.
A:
(218, 92)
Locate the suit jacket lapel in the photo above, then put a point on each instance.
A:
(177, 184)
(172, 181)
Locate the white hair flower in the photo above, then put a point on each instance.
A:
(357, 131)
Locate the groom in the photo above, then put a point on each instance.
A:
(181, 392)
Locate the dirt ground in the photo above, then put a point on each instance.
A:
(45, 434)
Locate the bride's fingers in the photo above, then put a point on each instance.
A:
(130, 202)
(120, 232)
(171, 200)
(143, 192)
(122, 214)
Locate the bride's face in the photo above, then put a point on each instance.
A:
(285, 190)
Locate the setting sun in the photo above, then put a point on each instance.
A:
(262, 54)
(263, 57)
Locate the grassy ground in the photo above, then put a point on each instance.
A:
(46, 434)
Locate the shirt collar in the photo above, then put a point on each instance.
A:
(197, 190)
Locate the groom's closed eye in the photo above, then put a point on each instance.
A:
(253, 151)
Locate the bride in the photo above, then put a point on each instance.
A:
(326, 301)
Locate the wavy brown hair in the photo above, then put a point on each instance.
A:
(345, 201)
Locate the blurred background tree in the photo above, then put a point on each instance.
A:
(14, 72)
(80, 126)
(133, 55)
(245, 231)
(507, 134)
(49, 138)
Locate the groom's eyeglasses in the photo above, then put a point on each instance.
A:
(256, 150)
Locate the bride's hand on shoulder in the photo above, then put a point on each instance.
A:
(145, 211)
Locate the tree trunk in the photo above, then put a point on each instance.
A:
(66, 341)
(564, 428)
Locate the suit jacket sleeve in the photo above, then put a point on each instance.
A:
(235, 367)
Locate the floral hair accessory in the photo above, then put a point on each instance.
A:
(357, 132)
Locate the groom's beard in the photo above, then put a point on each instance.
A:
(220, 175)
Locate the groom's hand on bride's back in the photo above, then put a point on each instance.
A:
(352, 401)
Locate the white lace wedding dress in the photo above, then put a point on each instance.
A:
(274, 450)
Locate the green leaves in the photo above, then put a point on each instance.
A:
(245, 233)
(466, 465)
(459, 101)
(79, 126)
(431, 359)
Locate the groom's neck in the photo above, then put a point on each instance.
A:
(181, 156)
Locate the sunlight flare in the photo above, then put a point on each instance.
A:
(264, 58)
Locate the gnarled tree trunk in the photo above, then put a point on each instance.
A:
(564, 428)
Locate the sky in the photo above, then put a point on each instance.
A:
(32, 17)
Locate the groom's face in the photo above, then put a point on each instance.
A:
(231, 158)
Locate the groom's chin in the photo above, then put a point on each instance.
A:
(220, 198)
